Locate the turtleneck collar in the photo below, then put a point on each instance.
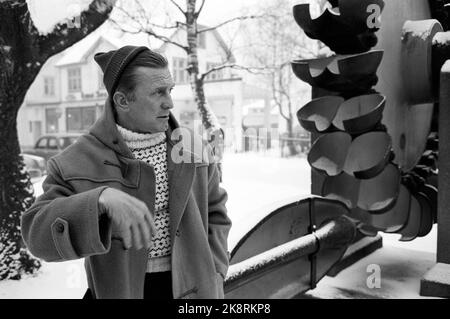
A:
(136, 140)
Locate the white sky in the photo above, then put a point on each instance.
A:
(46, 13)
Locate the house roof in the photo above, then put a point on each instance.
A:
(80, 51)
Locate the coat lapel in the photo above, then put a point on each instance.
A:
(181, 176)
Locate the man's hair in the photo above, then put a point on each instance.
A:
(129, 78)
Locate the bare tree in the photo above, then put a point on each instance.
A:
(272, 43)
(141, 22)
(23, 51)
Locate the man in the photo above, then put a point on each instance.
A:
(144, 210)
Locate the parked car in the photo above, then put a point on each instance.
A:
(36, 167)
(51, 144)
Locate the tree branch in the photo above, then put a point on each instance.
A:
(231, 20)
(65, 34)
(178, 6)
(231, 66)
(165, 39)
(167, 27)
(151, 33)
(200, 9)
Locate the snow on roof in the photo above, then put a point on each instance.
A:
(76, 53)
(80, 51)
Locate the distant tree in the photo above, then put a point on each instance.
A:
(272, 43)
(140, 20)
(23, 51)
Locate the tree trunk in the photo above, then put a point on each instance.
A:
(209, 119)
(23, 51)
(291, 143)
(16, 195)
(17, 74)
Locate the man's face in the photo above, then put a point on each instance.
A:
(149, 111)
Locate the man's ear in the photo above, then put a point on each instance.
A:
(121, 101)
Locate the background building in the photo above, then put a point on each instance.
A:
(68, 94)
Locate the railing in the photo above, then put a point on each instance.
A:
(281, 145)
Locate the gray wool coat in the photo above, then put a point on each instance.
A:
(65, 223)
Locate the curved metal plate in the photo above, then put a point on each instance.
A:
(379, 194)
(344, 188)
(283, 225)
(376, 195)
(337, 73)
(426, 223)
(342, 34)
(432, 193)
(412, 228)
(360, 114)
(368, 155)
(317, 115)
(390, 222)
(328, 153)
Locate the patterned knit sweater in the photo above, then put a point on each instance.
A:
(152, 149)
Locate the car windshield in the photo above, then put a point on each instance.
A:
(30, 163)
(66, 141)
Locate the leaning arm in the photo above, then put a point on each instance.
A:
(64, 225)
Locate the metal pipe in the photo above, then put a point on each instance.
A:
(334, 234)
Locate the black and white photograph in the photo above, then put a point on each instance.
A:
(243, 150)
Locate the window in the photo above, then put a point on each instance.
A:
(202, 40)
(80, 118)
(51, 121)
(180, 74)
(49, 86)
(66, 141)
(216, 75)
(42, 143)
(52, 144)
(74, 78)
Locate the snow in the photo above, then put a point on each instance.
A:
(441, 38)
(418, 29)
(257, 184)
(6, 48)
(299, 246)
(78, 52)
(47, 14)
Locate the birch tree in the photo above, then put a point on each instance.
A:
(190, 13)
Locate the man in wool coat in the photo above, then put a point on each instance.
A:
(137, 197)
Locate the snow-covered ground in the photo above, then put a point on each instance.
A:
(256, 184)
(253, 181)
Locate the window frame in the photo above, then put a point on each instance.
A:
(179, 72)
(49, 86)
(74, 84)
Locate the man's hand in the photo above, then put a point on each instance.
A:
(130, 217)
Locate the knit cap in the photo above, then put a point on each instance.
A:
(114, 62)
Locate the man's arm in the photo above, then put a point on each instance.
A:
(62, 225)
